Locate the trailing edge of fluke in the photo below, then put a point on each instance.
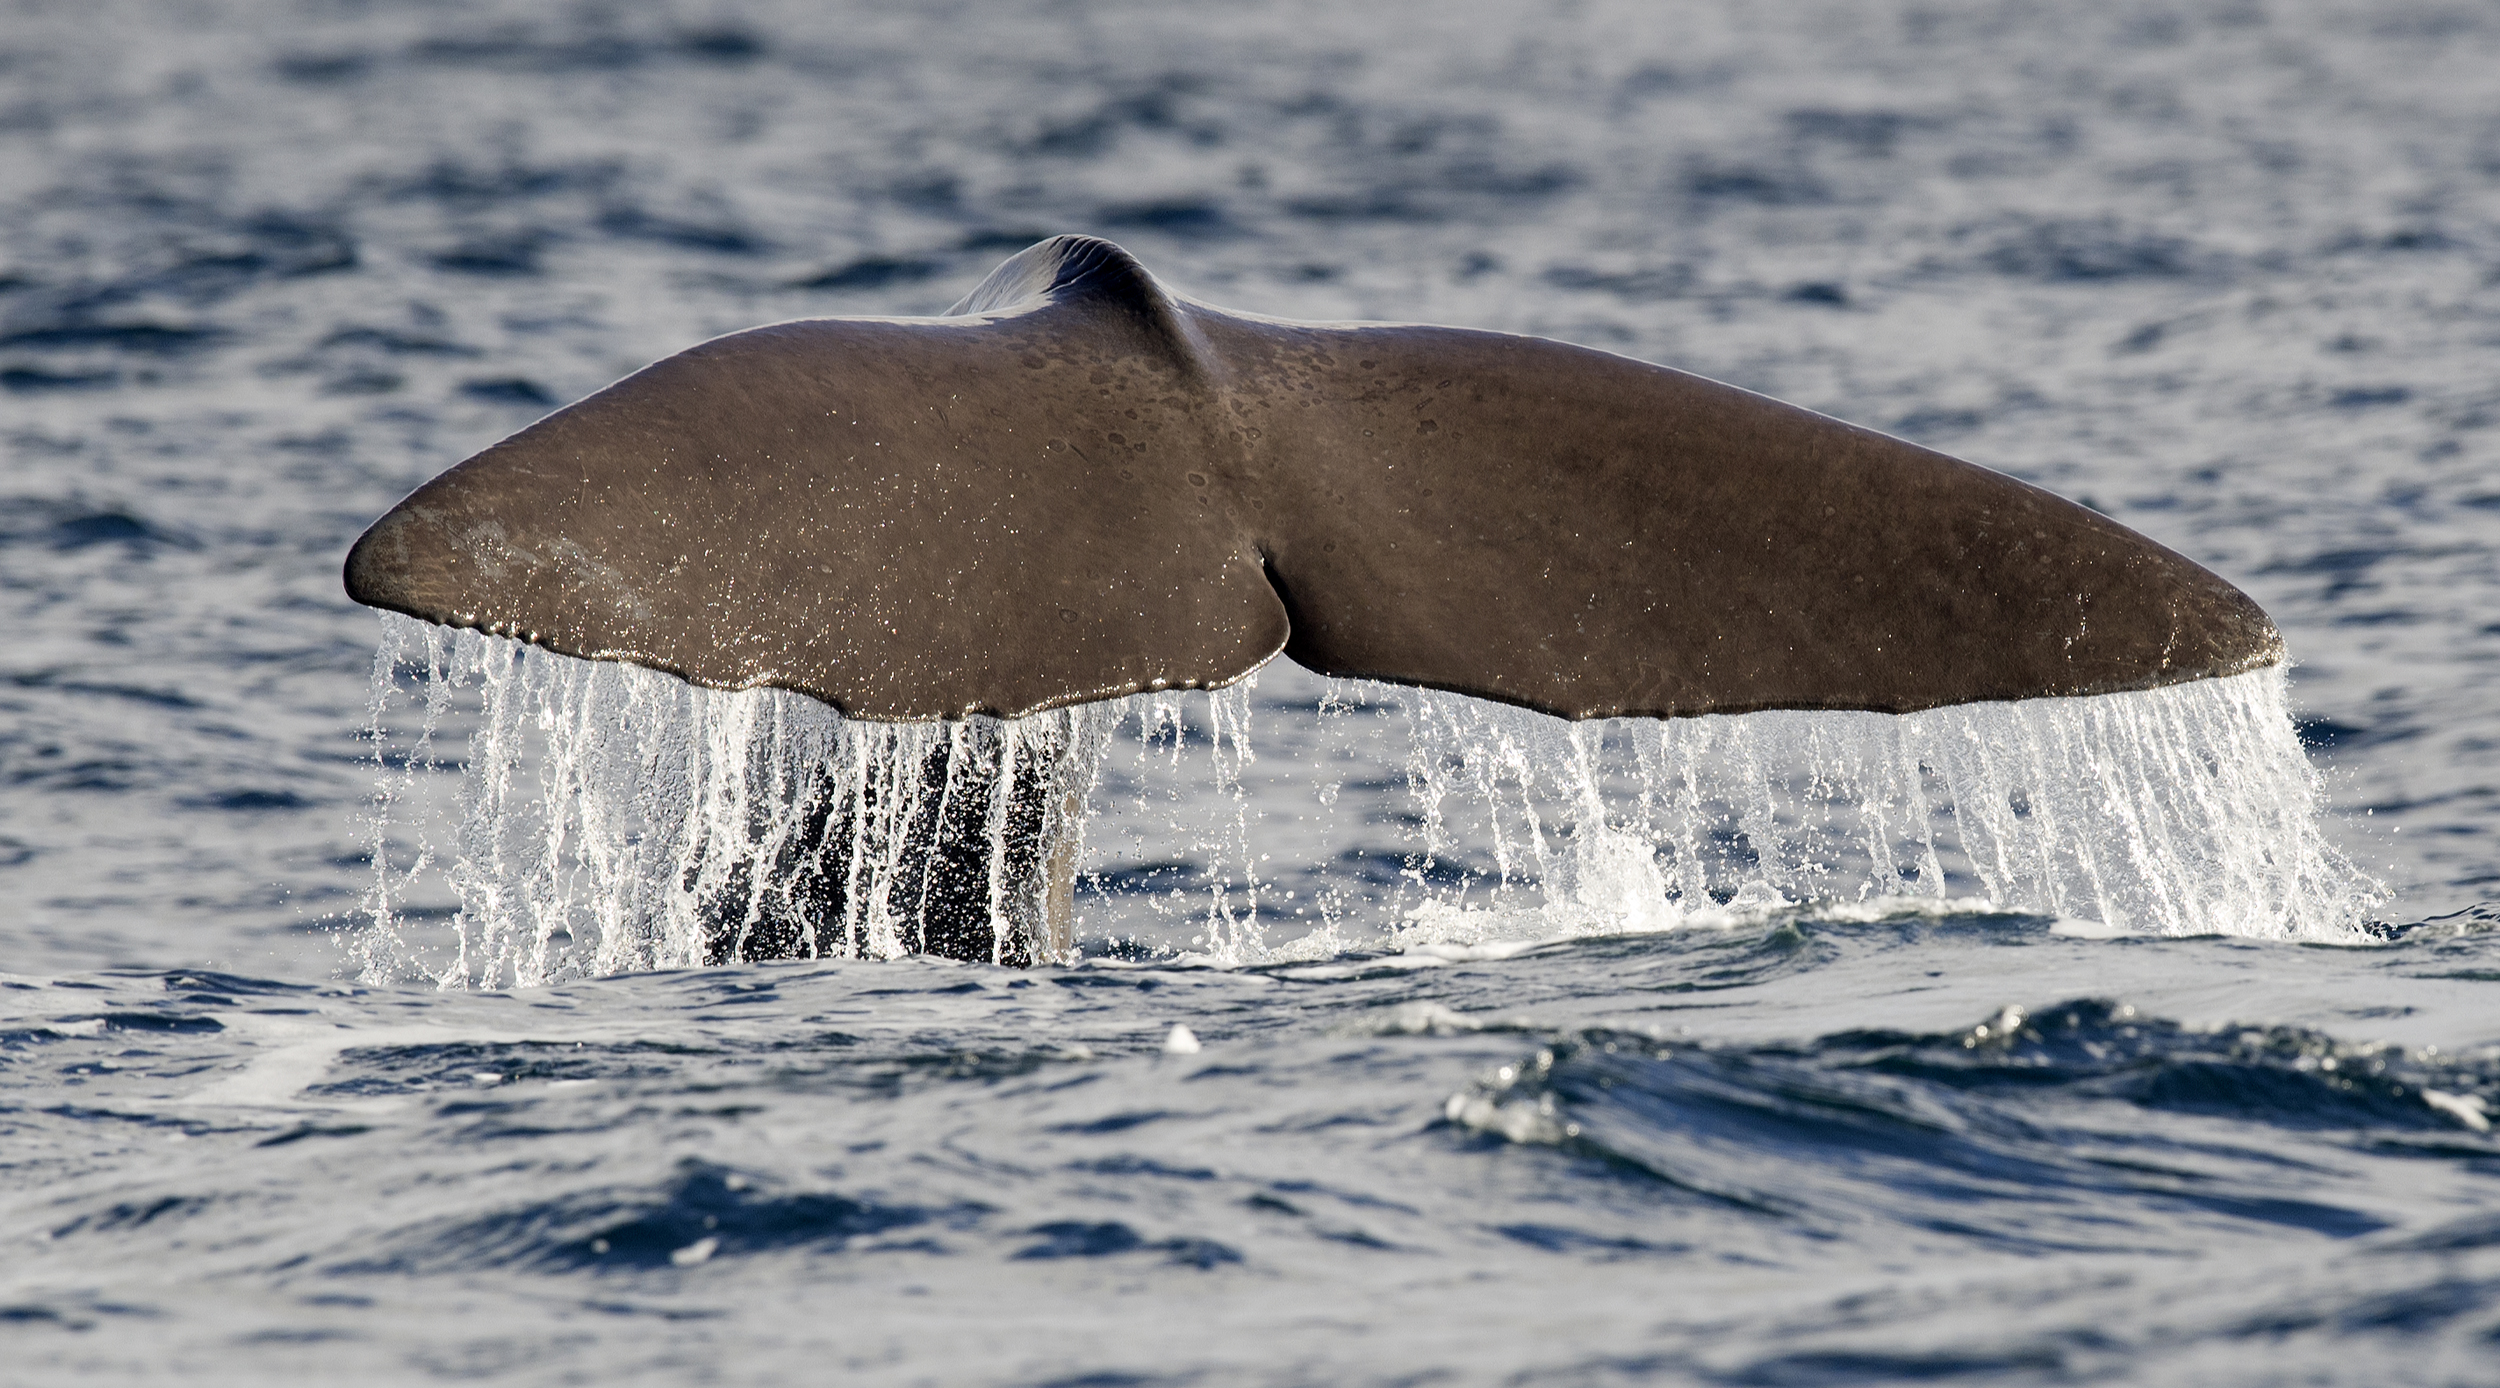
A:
(1078, 485)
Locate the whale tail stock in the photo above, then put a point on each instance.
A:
(1078, 486)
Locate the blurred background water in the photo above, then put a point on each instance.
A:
(2229, 272)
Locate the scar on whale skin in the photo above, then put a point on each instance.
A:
(1078, 485)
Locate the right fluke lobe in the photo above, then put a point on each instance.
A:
(1081, 486)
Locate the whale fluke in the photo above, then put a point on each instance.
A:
(1079, 485)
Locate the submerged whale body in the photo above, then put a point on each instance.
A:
(1078, 485)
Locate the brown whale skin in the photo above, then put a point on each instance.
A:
(1078, 486)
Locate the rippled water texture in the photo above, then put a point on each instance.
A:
(1380, 1059)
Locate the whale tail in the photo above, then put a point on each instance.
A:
(1080, 486)
(1083, 486)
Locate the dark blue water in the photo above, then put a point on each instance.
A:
(2229, 272)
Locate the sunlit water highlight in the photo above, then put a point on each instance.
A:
(612, 819)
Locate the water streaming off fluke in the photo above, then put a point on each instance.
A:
(2178, 811)
(611, 819)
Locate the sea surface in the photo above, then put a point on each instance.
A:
(1406, 1040)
